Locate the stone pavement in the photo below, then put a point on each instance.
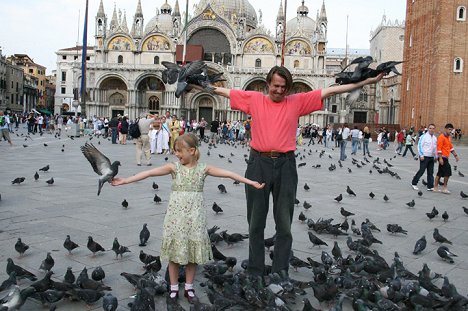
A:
(43, 215)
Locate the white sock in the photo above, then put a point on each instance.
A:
(174, 289)
(189, 286)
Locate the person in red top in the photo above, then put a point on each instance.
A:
(272, 159)
(444, 148)
(400, 141)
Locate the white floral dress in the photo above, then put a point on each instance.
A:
(185, 237)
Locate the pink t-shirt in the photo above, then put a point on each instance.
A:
(274, 124)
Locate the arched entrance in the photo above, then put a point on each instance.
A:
(114, 92)
(205, 108)
(257, 85)
(149, 94)
(300, 87)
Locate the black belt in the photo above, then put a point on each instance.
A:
(272, 154)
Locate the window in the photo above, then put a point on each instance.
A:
(62, 91)
(75, 57)
(88, 58)
(296, 64)
(156, 60)
(334, 108)
(64, 76)
(31, 70)
(461, 13)
(153, 103)
(64, 57)
(458, 65)
(258, 63)
(120, 59)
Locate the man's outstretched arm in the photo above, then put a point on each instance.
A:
(338, 89)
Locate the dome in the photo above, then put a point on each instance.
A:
(303, 24)
(227, 8)
(161, 22)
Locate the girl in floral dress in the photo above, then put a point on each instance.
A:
(185, 238)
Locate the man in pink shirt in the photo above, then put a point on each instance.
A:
(272, 157)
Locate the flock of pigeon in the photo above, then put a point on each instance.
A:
(351, 272)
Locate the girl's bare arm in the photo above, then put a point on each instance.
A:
(157, 171)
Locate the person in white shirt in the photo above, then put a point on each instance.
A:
(354, 139)
(344, 141)
(427, 152)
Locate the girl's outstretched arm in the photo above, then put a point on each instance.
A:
(219, 172)
(157, 171)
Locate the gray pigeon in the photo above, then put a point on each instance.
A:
(101, 164)
(48, 263)
(439, 237)
(182, 73)
(446, 254)
(420, 245)
(144, 235)
(109, 302)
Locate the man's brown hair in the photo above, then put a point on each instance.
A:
(284, 73)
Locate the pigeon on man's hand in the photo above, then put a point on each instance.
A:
(101, 164)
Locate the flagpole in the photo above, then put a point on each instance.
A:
(284, 33)
(83, 60)
(185, 33)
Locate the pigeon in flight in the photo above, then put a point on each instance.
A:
(181, 74)
(101, 164)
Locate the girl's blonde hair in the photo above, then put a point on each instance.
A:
(191, 141)
(366, 130)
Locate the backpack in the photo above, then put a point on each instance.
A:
(247, 126)
(134, 130)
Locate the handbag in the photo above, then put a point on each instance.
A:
(339, 137)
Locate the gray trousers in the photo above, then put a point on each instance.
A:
(143, 147)
(280, 176)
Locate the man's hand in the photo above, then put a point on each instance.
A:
(375, 79)
(421, 158)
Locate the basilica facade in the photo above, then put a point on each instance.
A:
(124, 67)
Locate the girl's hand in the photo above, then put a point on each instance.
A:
(118, 181)
(257, 185)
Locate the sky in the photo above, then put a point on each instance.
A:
(39, 28)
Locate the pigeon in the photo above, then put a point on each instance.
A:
(18, 180)
(463, 195)
(461, 174)
(21, 273)
(306, 187)
(431, 215)
(446, 254)
(69, 244)
(21, 247)
(15, 298)
(144, 235)
(302, 217)
(216, 208)
(269, 242)
(101, 164)
(386, 198)
(420, 193)
(124, 203)
(336, 251)
(345, 225)
(465, 210)
(338, 198)
(411, 203)
(420, 245)
(69, 276)
(98, 274)
(147, 258)
(345, 213)
(182, 73)
(11, 281)
(349, 191)
(45, 168)
(94, 247)
(36, 176)
(116, 247)
(50, 181)
(445, 216)
(205, 80)
(306, 205)
(155, 186)
(89, 296)
(222, 188)
(109, 302)
(395, 228)
(371, 195)
(157, 199)
(435, 211)
(48, 263)
(439, 237)
(316, 240)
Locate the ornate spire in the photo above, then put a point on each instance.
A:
(124, 25)
(280, 15)
(100, 12)
(114, 22)
(323, 13)
(176, 9)
(139, 11)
